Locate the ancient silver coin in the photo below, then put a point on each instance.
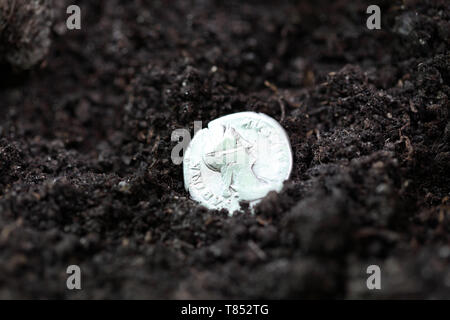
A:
(238, 157)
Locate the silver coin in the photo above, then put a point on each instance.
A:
(238, 157)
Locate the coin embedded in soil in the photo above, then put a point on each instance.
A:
(240, 157)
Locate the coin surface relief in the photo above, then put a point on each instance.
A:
(238, 157)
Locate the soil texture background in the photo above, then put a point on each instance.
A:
(86, 177)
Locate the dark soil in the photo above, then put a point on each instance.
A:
(86, 176)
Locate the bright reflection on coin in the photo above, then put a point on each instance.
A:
(239, 157)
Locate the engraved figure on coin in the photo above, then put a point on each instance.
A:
(234, 158)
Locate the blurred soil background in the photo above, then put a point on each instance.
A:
(86, 177)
